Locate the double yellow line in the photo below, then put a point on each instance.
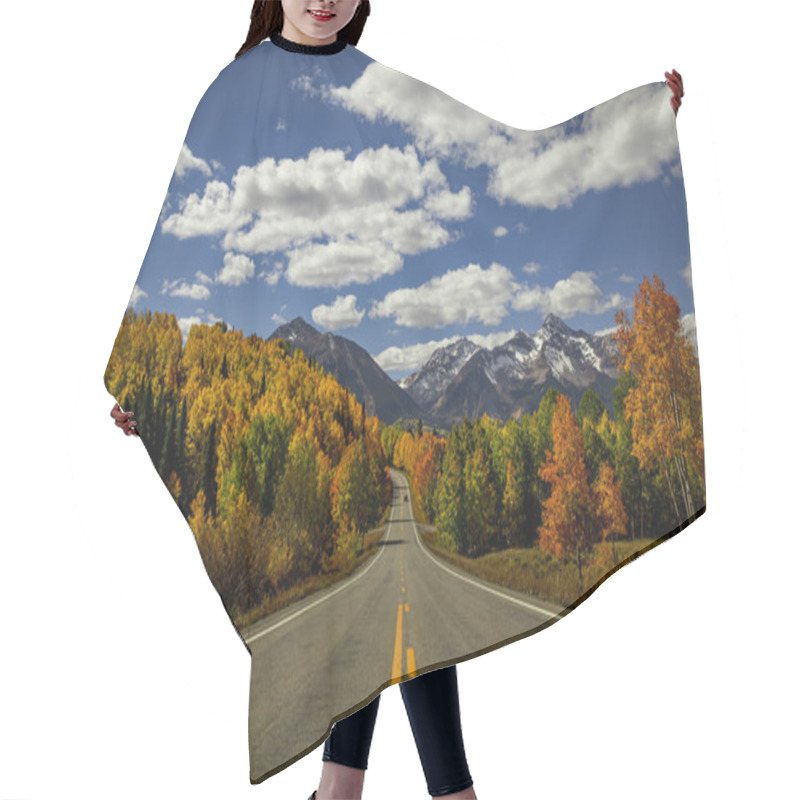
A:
(397, 659)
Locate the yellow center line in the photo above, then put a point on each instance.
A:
(397, 660)
(397, 657)
(412, 666)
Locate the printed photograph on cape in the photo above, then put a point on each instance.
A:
(419, 381)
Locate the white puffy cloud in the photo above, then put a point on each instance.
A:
(460, 295)
(272, 276)
(136, 295)
(450, 205)
(213, 213)
(237, 269)
(180, 288)
(569, 296)
(620, 142)
(686, 273)
(341, 313)
(412, 357)
(688, 325)
(188, 161)
(605, 331)
(486, 295)
(491, 340)
(384, 199)
(340, 263)
(441, 125)
(185, 323)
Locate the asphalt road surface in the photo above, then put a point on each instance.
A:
(403, 612)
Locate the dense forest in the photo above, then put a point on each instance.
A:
(275, 465)
(280, 472)
(569, 482)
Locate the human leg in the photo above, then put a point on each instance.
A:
(346, 753)
(433, 709)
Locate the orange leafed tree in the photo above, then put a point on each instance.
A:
(612, 520)
(568, 519)
(664, 405)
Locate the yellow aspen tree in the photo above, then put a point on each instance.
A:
(513, 510)
(664, 404)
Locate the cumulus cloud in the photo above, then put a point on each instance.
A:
(686, 273)
(188, 161)
(185, 323)
(237, 269)
(569, 296)
(180, 288)
(213, 213)
(273, 275)
(341, 313)
(136, 295)
(689, 328)
(618, 143)
(500, 230)
(486, 295)
(441, 125)
(605, 331)
(340, 263)
(414, 356)
(450, 205)
(460, 295)
(384, 199)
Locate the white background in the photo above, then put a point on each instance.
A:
(120, 674)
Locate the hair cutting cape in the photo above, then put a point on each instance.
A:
(419, 381)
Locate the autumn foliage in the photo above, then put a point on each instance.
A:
(280, 472)
(275, 465)
(574, 484)
(576, 515)
(664, 405)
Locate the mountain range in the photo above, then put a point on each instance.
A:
(464, 379)
(354, 368)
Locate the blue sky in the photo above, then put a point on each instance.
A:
(377, 207)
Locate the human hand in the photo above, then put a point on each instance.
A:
(122, 419)
(675, 82)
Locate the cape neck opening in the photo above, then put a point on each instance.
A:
(312, 49)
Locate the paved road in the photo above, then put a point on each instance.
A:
(401, 613)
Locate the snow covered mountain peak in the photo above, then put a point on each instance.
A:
(514, 373)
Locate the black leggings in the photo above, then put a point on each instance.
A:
(432, 706)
